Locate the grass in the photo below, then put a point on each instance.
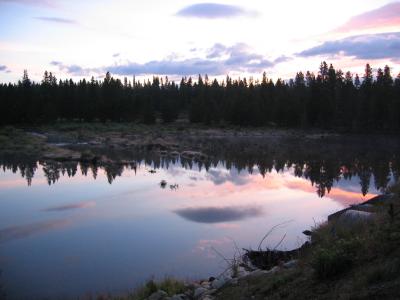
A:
(169, 285)
(16, 140)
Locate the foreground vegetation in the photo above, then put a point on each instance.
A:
(328, 99)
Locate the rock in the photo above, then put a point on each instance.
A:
(205, 284)
(174, 153)
(257, 273)
(94, 143)
(199, 291)
(179, 297)
(233, 281)
(159, 295)
(38, 135)
(352, 216)
(127, 162)
(160, 144)
(105, 160)
(364, 207)
(290, 264)
(212, 291)
(211, 279)
(206, 297)
(218, 283)
(377, 200)
(307, 232)
(60, 154)
(242, 272)
(273, 270)
(87, 157)
(193, 155)
(163, 184)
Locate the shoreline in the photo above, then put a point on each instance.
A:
(242, 280)
(242, 272)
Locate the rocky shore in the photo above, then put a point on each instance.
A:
(275, 263)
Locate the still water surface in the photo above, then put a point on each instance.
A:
(76, 230)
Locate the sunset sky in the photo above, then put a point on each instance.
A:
(178, 38)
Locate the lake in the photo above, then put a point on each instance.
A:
(73, 229)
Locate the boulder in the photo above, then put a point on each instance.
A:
(218, 283)
(352, 216)
(206, 297)
(233, 281)
(179, 297)
(159, 295)
(290, 264)
(60, 154)
(193, 155)
(88, 157)
(199, 291)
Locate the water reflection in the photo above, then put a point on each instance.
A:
(71, 206)
(219, 214)
(321, 171)
(23, 231)
(67, 228)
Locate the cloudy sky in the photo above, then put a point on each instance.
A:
(78, 38)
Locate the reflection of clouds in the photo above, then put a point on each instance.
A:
(19, 182)
(206, 246)
(339, 195)
(219, 176)
(219, 214)
(71, 206)
(227, 226)
(24, 231)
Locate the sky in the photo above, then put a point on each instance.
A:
(76, 39)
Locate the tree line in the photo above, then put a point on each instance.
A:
(327, 99)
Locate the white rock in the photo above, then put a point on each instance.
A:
(159, 295)
(355, 216)
(205, 284)
(218, 283)
(179, 297)
(212, 291)
(207, 297)
(273, 270)
(290, 264)
(242, 272)
(199, 291)
(257, 273)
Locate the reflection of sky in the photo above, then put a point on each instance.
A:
(84, 235)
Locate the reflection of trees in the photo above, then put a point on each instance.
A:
(112, 171)
(26, 166)
(321, 164)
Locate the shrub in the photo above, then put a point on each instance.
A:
(335, 259)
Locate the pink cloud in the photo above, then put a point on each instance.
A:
(383, 17)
